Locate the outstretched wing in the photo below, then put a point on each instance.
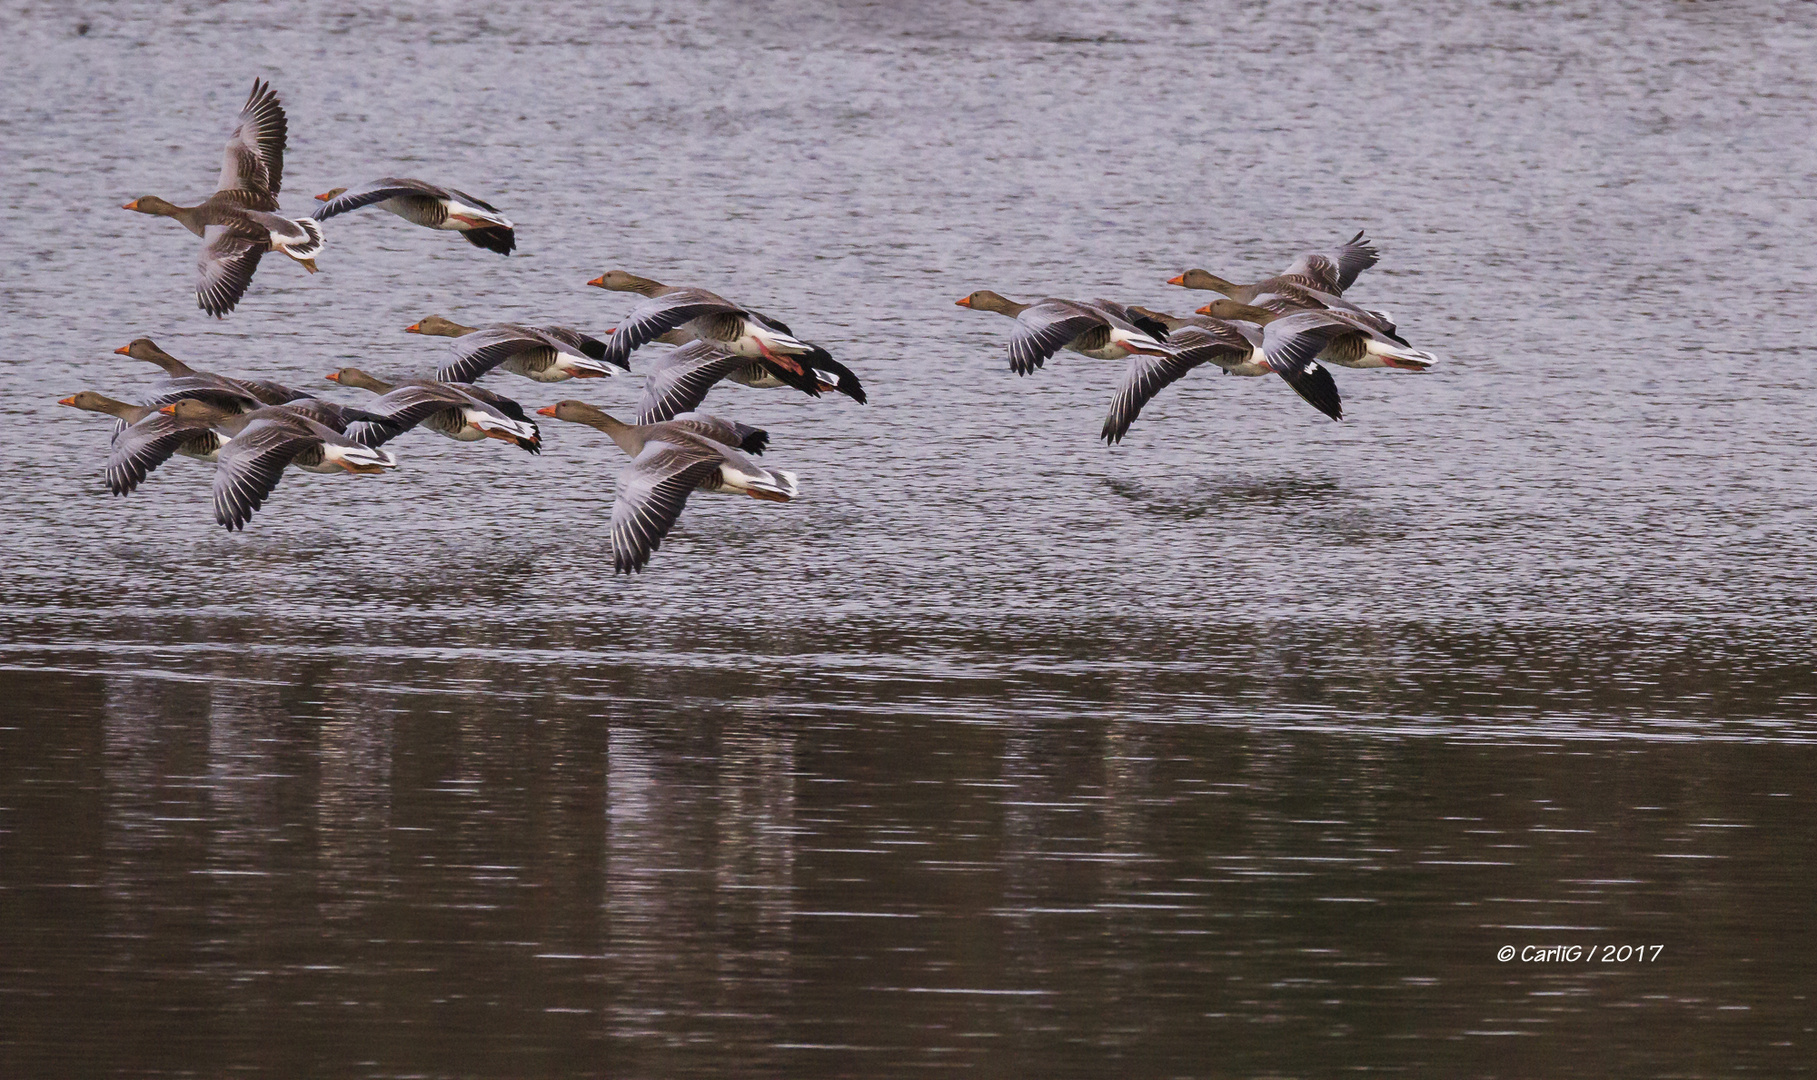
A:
(730, 433)
(390, 187)
(571, 341)
(479, 352)
(650, 494)
(659, 315)
(1291, 343)
(1146, 377)
(1044, 328)
(254, 158)
(1337, 268)
(250, 466)
(141, 447)
(225, 269)
(679, 380)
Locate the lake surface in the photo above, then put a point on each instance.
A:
(1236, 750)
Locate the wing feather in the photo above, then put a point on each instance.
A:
(1044, 328)
(225, 269)
(680, 380)
(254, 156)
(650, 495)
(659, 315)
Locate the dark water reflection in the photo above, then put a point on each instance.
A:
(473, 865)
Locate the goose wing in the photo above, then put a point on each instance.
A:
(141, 447)
(679, 381)
(225, 269)
(1292, 342)
(390, 187)
(479, 352)
(1147, 376)
(1337, 268)
(1044, 328)
(661, 314)
(214, 389)
(650, 494)
(254, 157)
(251, 464)
(746, 438)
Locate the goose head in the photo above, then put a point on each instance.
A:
(151, 204)
(1202, 281)
(625, 281)
(1230, 309)
(359, 380)
(986, 300)
(436, 326)
(89, 401)
(146, 349)
(326, 195)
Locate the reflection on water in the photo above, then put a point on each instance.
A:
(1237, 749)
(296, 876)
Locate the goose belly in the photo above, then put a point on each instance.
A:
(1111, 351)
(1350, 350)
(454, 424)
(425, 212)
(538, 362)
(755, 376)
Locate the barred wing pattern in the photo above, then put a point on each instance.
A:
(253, 160)
(650, 495)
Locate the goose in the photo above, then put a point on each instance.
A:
(1235, 347)
(679, 380)
(678, 315)
(463, 413)
(260, 443)
(145, 438)
(428, 205)
(543, 353)
(237, 223)
(669, 461)
(1347, 338)
(237, 395)
(1330, 272)
(1100, 329)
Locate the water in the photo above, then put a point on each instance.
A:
(1238, 749)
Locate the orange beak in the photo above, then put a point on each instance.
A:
(124, 349)
(414, 328)
(169, 410)
(966, 302)
(599, 282)
(333, 376)
(134, 205)
(324, 197)
(1206, 310)
(546, 410)
(71, 400)
(1180, 280)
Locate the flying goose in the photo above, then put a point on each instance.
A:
(669, 461)
(260, 443)
(237, 223)
(1330, 272)
(145, 438)
(1347, 338)
(428, 205)
(679, 380)
(1236, 347)
(543, 353)
(236, 395)
(460, 412)
(679, 315)
(1100, 329)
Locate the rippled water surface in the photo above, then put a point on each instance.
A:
(1236, 750)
